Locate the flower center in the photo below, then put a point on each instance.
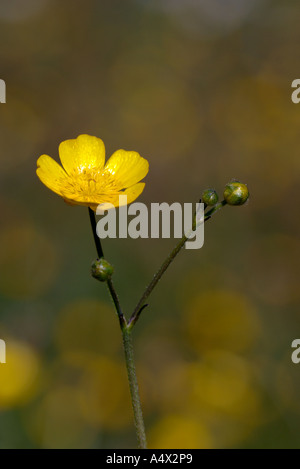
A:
(90, 184)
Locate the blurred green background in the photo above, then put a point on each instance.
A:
(202, 89)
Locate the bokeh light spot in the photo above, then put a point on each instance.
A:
(221, 319)
(19, 376)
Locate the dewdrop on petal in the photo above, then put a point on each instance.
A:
(102, 270)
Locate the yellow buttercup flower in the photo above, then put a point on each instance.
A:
(85, 179)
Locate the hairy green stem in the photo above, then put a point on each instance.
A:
(215, 208)
(134, 389)
(128, 349)
(114, 297)
(127, 326)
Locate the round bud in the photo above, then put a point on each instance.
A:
(101, 269)
(210, 197)
(236, 193)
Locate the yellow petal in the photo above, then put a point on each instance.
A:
(127, 167)
(82, 153)
(51, 173)
(132, 193)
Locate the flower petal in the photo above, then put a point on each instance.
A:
(82, 153)
(51, 173)
(127, 167)
(132, 193)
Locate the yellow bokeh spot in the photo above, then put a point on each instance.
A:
(179, 432)
(224, 383)
(57, 422)
(28, 262)
(221, 319)
(83, 325)
(88, 395)
(104, 400)
(19, 375)
(165, 388)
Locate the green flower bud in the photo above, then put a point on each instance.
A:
(210, 197)
(101, 269)
(236, 193)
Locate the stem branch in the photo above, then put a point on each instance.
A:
(137, 310)
(114, 297)
(128, 349)
(136, 313)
